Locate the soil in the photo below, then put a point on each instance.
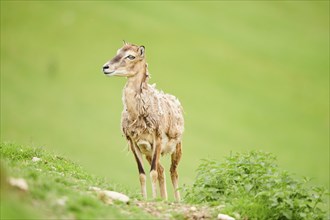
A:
(171, 210)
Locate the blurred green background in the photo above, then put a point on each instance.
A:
(250, 75)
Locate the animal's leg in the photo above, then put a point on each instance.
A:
(161, 179)
(142, 175)
(154, 166)
(176, 156)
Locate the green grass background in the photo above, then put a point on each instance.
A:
(250, 75)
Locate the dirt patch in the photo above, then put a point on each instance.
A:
(171, 210)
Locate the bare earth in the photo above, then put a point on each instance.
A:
(171, 210)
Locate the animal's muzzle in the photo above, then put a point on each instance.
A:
(104, 68)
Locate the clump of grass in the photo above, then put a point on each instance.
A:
(252, 185)
(51, 180)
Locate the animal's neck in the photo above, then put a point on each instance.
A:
(133, 90)
(137, 81)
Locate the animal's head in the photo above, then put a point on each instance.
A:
(127, 61)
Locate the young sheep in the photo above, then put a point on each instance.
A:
(152, 121)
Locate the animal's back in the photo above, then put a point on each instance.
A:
(166, 109)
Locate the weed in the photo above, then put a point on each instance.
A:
(252, 185)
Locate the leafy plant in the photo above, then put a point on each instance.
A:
(252, 185)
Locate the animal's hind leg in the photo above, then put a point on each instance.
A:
(154, 165)
(176, 156)
(161, 179)
(142, 175)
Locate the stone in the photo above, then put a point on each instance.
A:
(109, 196)
(225, 217)
(193, 209)
(19, 183)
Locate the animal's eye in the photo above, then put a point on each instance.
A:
(131, 57)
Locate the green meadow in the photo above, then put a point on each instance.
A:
(251, 75)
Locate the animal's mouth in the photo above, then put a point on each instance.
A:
(108, 73)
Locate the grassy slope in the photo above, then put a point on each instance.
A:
(52, 179)
(251, 75)
(56, 178)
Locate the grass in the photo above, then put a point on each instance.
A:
(246, 186)
(50, 180)
(251, 75)
(55, 179)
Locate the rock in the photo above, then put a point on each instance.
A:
(225, 217)
(193, 209)
(104, 198)
(19, 183)
(109, 196)
(36, 159)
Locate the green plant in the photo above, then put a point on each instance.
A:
(252, 185)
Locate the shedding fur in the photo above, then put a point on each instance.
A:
(154, 112)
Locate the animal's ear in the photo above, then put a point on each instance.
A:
(141, 51)
(124, 42)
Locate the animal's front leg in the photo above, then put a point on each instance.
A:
(142, 175)
(161, 179)
(154, 166)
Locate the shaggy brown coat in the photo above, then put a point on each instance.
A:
(152, 111)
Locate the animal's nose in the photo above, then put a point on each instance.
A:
(105, 67)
